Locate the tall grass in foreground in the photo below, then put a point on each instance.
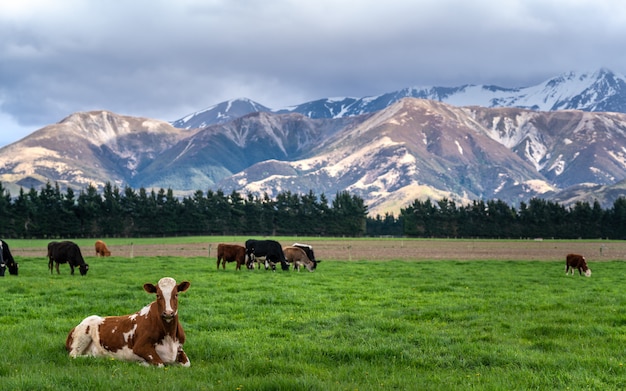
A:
(349, 326)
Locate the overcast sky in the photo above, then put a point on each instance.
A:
(165, 59)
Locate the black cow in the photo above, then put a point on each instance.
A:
(308, 249)
(270, 249)
(6, 259)
(62, 252)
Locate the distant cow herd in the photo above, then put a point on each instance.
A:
(268, 253)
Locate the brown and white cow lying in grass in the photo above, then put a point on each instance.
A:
(577, 261)
(152, 335)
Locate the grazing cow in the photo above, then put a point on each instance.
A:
(6, 259)
(576, 261)
(297, 257)
(101, 249)
(308, 249)
(152, 335)
(62, 252)
(270, 249)
(230, 253)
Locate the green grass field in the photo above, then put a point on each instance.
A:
(360, 325)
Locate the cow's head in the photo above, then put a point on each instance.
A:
(167, 296)
(249, 261)
(585, 268)
(84, 268)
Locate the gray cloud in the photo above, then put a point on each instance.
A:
(164, 59)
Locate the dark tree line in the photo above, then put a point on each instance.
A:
(496, 219)
(51, 213)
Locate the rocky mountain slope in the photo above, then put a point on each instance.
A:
(87, 148)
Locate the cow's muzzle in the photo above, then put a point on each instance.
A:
(168, 316)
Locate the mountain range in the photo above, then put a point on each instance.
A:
(564, 139)
(599, 91)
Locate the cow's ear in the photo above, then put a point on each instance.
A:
(183, 286)
(150, 288)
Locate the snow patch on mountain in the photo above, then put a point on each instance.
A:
(558, 166)
(459, 146)
(537, 186)
(188, 145)
(619, 156)
(267, 185)
(535, 150)
(357, 158)
(23, 156)
(506, 130)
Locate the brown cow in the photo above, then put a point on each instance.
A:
(298, 257)
(101, 249)
(230, 253)
(151, 335)
(577, 261)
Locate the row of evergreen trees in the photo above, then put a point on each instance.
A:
(51, 213)
(496, 219)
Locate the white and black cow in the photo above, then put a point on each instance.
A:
(62, 252)
(152, 335)
(270, 249)
(6, 260)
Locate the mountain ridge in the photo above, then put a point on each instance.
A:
(599, 91)
(409, 149)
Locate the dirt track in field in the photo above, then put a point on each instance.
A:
(397, 249)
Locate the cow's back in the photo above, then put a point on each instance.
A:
(293, 253)
(575, 260)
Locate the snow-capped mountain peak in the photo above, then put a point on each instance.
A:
(601, 90)
(220, 113)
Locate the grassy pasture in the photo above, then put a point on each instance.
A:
(438, 324)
